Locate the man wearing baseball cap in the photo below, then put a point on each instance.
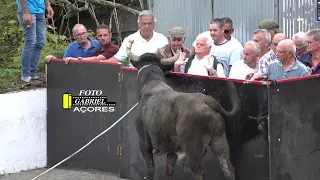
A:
(270, 25)
(176, 40)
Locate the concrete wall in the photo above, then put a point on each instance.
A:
(23, 131)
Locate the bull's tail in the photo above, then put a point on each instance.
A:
(234, 99)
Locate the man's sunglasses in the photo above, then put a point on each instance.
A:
(227, 31)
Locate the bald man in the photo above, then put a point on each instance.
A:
(287, 66)
(83, 46)
(270, 57)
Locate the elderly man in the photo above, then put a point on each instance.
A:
(311, 58)
(270, 57)
(263, 38)
(287, 66)
(83, 46)
(270, 25)
(244, 69)
(201, 63)
(145, 39)
(176, 40)
(300, 41)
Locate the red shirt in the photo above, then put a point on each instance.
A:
(108, 51)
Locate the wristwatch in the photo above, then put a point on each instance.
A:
(79, 58)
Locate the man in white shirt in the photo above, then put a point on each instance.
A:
(228, 31)
(145, 39)
(224, 50)
(244, 69)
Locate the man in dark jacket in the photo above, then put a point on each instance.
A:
(311, 58)
(176, 40)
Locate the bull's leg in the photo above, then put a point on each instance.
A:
(146, 151)
(194, 153)
(196, 165)
(220, 147)
(171, 162)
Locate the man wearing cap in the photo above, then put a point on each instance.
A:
(176, 40)
(270, 25)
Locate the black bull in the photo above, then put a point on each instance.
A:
(181, 125)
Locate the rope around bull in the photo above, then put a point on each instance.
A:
(86, 144)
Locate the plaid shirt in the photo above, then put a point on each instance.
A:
(266, 60)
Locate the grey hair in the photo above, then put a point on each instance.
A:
(301, 36)
(256, 47)
(315, 33)
(146, 13)
(265, 32)
(219, 22)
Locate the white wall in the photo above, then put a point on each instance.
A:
(23, 131)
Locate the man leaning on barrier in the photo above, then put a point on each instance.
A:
(287, 66)
(245, 69)
(106, 48)
(84, 46)
(145, 39)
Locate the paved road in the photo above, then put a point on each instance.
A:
(62, 174)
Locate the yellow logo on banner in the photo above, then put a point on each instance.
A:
(87, 101)
(66, 101)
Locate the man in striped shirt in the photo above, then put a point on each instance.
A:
(287, 66)
(270, 57)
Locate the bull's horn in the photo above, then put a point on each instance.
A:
(171, 60)
(130, 54)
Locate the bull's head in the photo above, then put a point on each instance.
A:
(151, 58)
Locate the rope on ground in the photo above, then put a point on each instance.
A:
(86, 144)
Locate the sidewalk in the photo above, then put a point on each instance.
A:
(62, 174)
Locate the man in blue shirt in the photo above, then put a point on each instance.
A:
(83, 46)
(287, 67)
(31, 15)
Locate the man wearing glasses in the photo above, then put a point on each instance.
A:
(311, 58)
(228, 31)
(271, 57)
(83, 46)
(286, 67)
